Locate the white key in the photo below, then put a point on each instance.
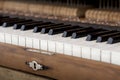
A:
(85, 48)
(59, 47)
(96, 54)
(74, 47)
(36, 43)
(25, 39)
(106, 56)
(44, 45)
(52, 46)
(77, 51)
(63, 45)
(96, 51)
(29, 42)
(15, 39)
(86, 52)
(22, 41)
(2, 37)
(73, 42)
(8, 38)
(53, 42)
(103, 50)
(115, 54)
(68, 49)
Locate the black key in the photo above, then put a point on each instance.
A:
(31, 25)
(83, 33)
(105, 37)
(113, 39)
(60, 29)
(18, 25)
(1, 23)
(7, 20)
(11, 23)
(46, 29)
(39, 28)
(68, 33)
(94, 36)
(4, 18)
(1, 17)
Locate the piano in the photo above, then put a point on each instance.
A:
(40, 35)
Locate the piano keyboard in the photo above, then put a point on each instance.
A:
(78, 41)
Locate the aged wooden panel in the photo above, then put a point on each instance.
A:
(60, 66)
(9, 74)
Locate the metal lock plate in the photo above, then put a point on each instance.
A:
(35, 66)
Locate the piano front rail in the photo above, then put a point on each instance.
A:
(60, 67)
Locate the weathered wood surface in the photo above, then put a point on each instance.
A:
(9, 74)
(60, 66)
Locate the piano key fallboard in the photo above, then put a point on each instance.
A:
(53, 38)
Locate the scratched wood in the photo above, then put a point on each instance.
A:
(60, 66)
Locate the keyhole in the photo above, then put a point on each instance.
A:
(34, 65)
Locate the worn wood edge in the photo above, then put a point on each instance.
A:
(80, 68)
(12, 74)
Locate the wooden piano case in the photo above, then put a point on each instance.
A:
(60, 67)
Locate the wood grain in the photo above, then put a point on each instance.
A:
(60, 66)
(9, 74)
